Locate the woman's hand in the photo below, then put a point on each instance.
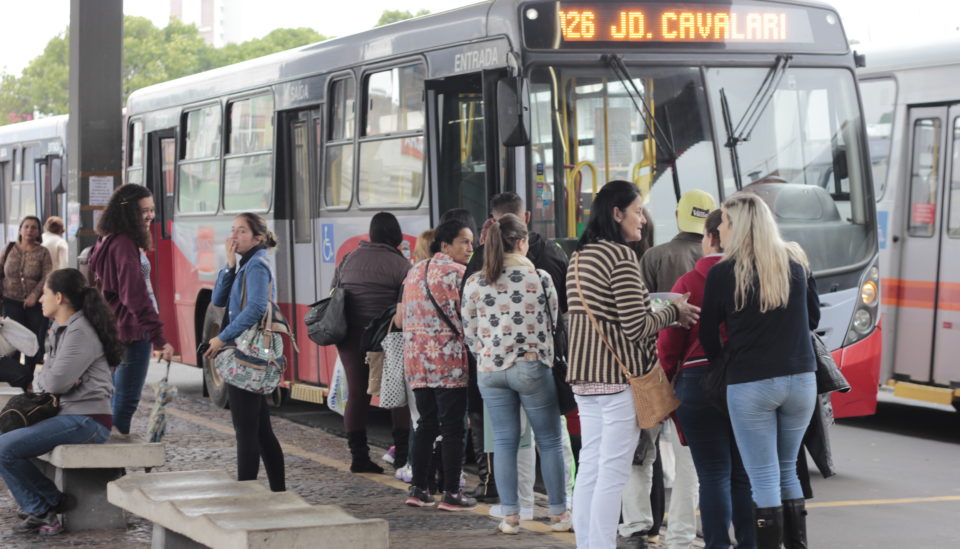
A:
(215, 345)
(231, 246)
(166, 353)
(398, 319)
(30, 301)
(689, 314)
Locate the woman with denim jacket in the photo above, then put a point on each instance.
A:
(250, 239)
(82, 347)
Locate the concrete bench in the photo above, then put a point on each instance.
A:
(83, 471)
(209, 509)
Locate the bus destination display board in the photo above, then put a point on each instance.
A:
(729, 25)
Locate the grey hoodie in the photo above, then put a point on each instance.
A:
(75, 354)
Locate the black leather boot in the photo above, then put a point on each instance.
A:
(769, 522)
(794, 524)
(401, 443)
(360, 454)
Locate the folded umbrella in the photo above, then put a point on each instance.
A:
(158, 417)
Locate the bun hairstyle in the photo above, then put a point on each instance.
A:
(122, 215)
(502, 238)
(259, 228)
(73, 286)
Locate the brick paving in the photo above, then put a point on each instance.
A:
(200, 436)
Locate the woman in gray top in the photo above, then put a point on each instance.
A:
(82, 347)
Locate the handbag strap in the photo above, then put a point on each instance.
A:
(546, 298)
(426, 287)
(593, 320)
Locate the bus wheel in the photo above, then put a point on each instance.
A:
(216, 387)
(278, 397)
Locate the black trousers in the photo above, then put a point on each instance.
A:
(442, 412)
(33, 319)
(255, 439)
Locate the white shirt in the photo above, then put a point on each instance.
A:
(57, 246)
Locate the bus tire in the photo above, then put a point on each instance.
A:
(278, 397)
(216, 387)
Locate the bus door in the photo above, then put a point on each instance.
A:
(161, 176)
(49, 172)
(926, 292)
(464, 149)
(303, 133)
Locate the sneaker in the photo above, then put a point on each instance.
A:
(417, 497)
(456, 502)
(404, 473)
(390, 455)
(561, 523)
(507, 527)
(47, 524)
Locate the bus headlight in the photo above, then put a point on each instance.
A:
(868, 292)
(862, 321)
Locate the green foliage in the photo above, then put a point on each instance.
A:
(150, 55)
(392, 16)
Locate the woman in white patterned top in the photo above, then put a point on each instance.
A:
(508, 311)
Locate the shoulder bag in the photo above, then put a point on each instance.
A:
(653, 396)
(326, 320)
(28, 409)
(256, 362)
(393, 384)
(829, 376)
(565, 396)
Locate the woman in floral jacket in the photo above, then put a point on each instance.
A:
(435, 362)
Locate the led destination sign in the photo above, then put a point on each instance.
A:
(729, 25)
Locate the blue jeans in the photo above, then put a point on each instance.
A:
(35, 493)
(769, 419)
(724, 486)
(128, 382)
(529, 384)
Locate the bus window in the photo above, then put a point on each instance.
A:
(462, 161)
(391, 169)
(247, 168)
(338, 175)
(16, 165)
(878, 102)
(953, 224)
(28, 194)
(135, 152)
(924, 177)
(200, 166)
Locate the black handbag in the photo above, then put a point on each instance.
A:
(28, 409)
(326, 320)
(558, 329)
(714, 383)
(376, 330)
(829, 376)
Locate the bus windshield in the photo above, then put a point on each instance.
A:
(804, 155)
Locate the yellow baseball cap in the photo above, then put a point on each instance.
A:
(692, 210)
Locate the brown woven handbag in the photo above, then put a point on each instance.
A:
(653, 396)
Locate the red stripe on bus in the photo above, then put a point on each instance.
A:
(920, 294)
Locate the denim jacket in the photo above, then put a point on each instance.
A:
(227, 294)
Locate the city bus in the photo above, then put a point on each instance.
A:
(548, 99)
(33, 173)
(912, 109)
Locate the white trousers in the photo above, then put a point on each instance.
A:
(609, 432)
(685, 494)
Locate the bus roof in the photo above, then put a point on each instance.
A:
(34, 130)
(933, 54)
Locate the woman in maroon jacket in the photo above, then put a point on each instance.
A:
(371, 276)
(724, 486)
(123, 271)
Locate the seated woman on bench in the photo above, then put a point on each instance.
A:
(82, 347)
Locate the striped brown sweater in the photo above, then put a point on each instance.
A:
(614, 291)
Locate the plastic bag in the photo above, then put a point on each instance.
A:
(337, 399)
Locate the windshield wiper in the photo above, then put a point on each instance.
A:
(751, 116)
(620, 70)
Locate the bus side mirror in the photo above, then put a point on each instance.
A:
(56, 175)
(513, 111)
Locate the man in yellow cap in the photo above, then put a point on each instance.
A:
(662, 265)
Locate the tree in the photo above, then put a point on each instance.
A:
(150, 55)
(392, 16)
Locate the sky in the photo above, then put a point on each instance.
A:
(26, 27)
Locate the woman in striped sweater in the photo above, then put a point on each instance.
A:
(610, 322)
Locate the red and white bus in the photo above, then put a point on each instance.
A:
(548, 99)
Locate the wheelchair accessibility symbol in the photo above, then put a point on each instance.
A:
(328, 251)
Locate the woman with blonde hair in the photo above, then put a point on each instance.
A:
(764, 294)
